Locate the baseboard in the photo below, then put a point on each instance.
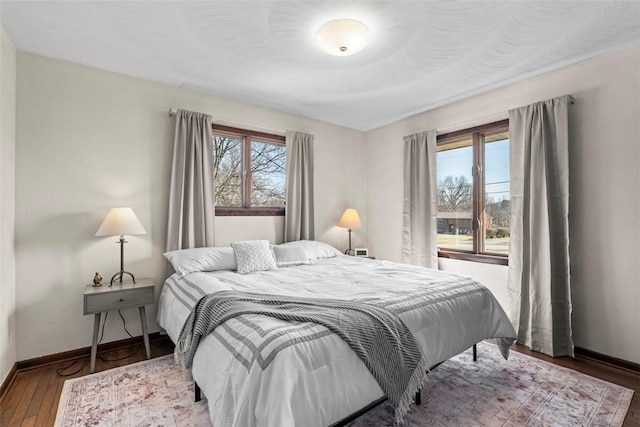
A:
(8, 380)
(609, 360)
(85, 351)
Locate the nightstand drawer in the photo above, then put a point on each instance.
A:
(98, 302)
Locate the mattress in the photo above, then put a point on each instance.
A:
(261, 371)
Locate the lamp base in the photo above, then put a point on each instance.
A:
(119, 275)
(350, 251)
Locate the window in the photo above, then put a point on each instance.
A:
(249, 171)
(473, 194)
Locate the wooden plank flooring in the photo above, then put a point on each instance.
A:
(32, 399)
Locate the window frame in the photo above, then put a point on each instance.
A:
(247, 136)
(477, 134)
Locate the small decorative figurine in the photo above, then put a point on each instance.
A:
(97, 279)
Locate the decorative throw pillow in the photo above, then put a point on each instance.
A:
(187, 261)
(253, 255)
(290, 255)
(315, 249)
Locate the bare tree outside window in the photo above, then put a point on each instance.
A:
(227, 170)
(249, 172)
(455, 194)
(268, 167)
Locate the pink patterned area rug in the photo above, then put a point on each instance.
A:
(522, 391)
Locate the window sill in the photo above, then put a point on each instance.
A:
(483, 258)
(249, 211)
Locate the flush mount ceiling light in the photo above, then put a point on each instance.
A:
(342, 37)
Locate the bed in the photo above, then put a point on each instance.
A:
(261, 371)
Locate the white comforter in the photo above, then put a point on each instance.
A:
(253, 374)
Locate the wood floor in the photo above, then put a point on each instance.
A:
(32, 399)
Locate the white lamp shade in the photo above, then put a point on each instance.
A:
(342, 37)
(120, 221)
(350, 219)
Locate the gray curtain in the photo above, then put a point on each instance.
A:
(191, 197)
(539, 285)
(419, 216)
(298, 220)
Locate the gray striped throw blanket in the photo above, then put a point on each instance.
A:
(378, 336)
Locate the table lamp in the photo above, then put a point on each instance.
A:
(351, 220)
(121, 221)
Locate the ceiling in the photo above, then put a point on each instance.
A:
(424, 54)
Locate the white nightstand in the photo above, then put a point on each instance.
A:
(100, 299)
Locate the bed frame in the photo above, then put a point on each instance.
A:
(370, 406)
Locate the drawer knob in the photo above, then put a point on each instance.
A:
(121, 300)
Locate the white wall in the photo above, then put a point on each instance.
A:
(604, 191)
(89, 140)
(7, 203)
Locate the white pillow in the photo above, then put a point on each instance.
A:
(187, 261)
(315, 249)
(253, 255)
(290, 255)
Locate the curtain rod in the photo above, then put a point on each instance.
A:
(473, 123)
(173, 111)
(484, 120)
